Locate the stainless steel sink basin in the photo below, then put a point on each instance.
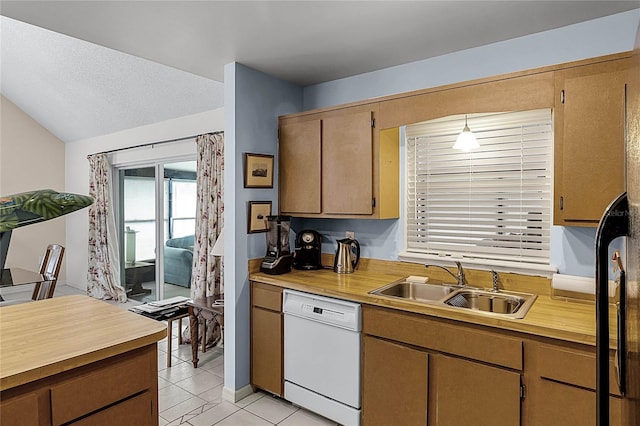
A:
(502, 304)
(509, 304)
(429, 293)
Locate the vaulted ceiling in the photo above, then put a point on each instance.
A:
(89, 68)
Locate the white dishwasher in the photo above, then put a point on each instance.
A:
(322, 355)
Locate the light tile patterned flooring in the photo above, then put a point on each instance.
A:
(193, 396)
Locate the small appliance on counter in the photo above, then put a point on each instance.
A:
(308, 250)
(347, 256)
(278, 259)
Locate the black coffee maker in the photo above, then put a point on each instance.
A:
(278, 258)
(308, 250)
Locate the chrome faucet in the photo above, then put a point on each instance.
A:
(460, 278)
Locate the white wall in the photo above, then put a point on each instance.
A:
(77, 170)
(30, 158)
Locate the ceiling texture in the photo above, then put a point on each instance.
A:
(89, 68)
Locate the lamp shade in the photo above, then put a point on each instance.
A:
(466, 141)
(218, 247)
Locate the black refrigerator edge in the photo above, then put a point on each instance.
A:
(622, 218)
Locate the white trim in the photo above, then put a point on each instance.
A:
(236, 395)
(481, 264)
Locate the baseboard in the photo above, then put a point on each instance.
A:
(236, 395)
(76, 286)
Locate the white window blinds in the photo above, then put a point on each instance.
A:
(491, 203)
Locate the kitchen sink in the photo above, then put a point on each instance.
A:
(420, 292)
(509, 304)
(502, 303)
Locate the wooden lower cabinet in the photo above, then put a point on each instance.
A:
(459, 375)
(267, 329)
(463, 392)
(407, 386)
(422, 370)
(562, 404)
(562, 383)
(395, 380)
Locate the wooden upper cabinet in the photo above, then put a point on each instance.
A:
(589, 141)
(347, 164)
(337, 164)
(299, 168)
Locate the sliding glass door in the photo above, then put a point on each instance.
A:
(157, 227)
(179, 189)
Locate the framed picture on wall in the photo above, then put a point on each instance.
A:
(257, 216)
(258, 170)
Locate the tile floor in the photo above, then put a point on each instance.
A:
(193, 396)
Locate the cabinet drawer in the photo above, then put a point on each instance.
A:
(466, 341)
(110, 382)
(266, 296)
(573, 367)
(138, 410)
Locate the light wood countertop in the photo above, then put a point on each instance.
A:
(548, 317)
(46, 337)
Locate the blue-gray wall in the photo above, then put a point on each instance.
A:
(252, 103)
(254, 100)
(572, 249)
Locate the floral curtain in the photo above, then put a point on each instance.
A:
(103, 276)
(207, 277)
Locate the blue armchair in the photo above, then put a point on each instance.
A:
(178, 260)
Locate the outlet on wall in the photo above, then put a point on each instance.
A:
(350, 234)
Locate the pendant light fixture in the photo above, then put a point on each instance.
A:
(466, 141)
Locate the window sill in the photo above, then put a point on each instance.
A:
(481, 264)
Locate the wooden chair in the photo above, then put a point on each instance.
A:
(49, 266)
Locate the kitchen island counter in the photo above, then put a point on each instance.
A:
(43, 338)
(78, 359)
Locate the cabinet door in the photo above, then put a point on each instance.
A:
(590, 140)
(266, 350)
(20, 411)
(347, 164)
(562, 386)
(299, 167)
(394, 387)
(465, 393)
(562, 404)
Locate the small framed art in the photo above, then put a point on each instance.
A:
(258, 170)
(257, 216)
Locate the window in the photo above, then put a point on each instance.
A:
(490, 204)
(180, 206)
(140, 212)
